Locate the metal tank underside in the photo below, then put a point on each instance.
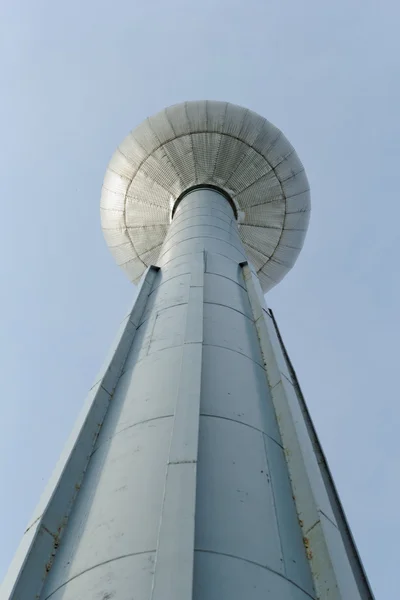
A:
(206, 143)
(194, 471)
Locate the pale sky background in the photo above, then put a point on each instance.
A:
(76, 77)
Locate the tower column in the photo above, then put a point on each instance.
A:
(187, 494)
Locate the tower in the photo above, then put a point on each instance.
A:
(194, 470)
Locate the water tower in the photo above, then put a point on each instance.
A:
(194, 471)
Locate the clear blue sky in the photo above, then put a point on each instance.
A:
(76, 77)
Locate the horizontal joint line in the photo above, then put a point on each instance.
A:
(242, 423)
(228, 222)
(231, 308)
(168, 239)
(182, 462)
(130, 427)
(160, 309)
(329, 519)
(191, 254)
(312, 527)
(237, 352)
(205, 273)
(105, 562)
(202, 237)
(252, 562)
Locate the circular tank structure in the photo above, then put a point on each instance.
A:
(214, 144)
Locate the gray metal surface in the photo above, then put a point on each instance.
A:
(34, 557)
(193, 472)
(336, 569)
(186, 494)
(214, 143)
(340, 517)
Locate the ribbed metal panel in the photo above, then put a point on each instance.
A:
(213, 143)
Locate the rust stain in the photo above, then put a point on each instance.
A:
(306, 543)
